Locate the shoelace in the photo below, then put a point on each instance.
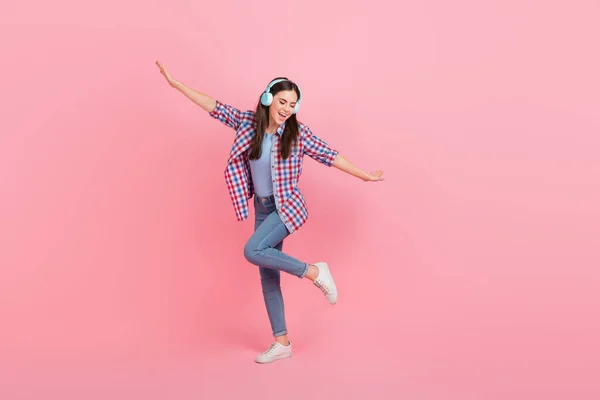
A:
(270, 349)
(324, 288)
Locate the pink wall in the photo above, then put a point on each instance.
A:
(476, 260)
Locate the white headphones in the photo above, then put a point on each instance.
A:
(267, 98)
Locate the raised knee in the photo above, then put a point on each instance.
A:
(251, 252)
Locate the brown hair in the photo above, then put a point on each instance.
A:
(290, 132)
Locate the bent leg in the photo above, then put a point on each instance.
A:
(261, 249)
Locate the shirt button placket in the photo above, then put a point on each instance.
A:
(274, 171)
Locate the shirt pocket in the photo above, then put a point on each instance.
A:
(295, 162)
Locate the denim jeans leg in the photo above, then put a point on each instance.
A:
(261, 248)
(270, 280)
(270, 277)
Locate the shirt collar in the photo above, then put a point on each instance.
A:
(280, 129)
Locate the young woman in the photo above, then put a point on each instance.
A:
(265, 163)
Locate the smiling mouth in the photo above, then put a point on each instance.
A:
(283, 115)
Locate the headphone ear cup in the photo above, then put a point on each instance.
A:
(266, 99)
(298, 102)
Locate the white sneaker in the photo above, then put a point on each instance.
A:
(275, 352)
(325, 282)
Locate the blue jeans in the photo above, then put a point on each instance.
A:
(264, 249)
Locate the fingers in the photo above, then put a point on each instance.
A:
(377, 176)
(161, 67)
(163, 71)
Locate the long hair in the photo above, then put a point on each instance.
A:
(290, 132)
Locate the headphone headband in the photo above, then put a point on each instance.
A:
(273, 83)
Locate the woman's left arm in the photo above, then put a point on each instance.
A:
(343, 164)
(319, 150)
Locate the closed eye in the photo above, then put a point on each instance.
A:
(282, 102)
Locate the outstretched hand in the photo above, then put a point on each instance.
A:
(341, 163)
(164, 72)
(373, 176)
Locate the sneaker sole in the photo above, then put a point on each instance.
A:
(273, 359)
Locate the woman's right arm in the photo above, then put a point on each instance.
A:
(230, 116)
(201, 99)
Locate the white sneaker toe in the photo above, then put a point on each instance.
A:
(275, 352)
(326, 283)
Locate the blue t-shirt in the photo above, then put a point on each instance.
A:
(261, 168)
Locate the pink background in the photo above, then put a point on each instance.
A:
(470, 273)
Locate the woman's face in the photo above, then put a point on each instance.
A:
(282, 106)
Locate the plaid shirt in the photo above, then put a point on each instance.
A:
(289, 200)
